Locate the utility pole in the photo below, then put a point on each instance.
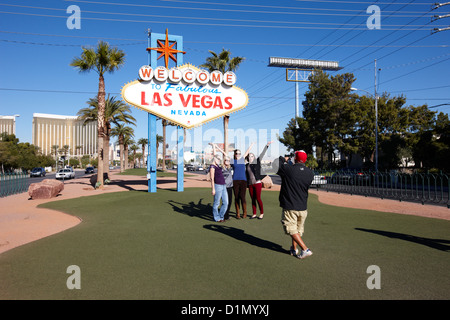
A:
(437, 17)
(296, 95)
(438, 5)
(376, 119)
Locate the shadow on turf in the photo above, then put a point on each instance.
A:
(240, 235)
(136, 185)
(204, 211)
(439, 244)
(192, 209)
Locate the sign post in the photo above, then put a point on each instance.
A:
(152, 153)
(180, 157)
(167, 51)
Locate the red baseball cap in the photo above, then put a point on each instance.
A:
(300, 156)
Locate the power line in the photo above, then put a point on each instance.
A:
(202, 23)
(393, 41)
(358, 2)
(415, 62)
(432, 88)
(403, 75)
(270, 7)
(252, 97)
(326, 45)
(59, 44)
(213, 9)
(230, 43)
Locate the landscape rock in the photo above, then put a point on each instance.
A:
(45, 189)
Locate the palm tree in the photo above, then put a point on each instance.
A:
(133, 147)
(127, 141)
(55, 148)
(78, 149)
(102, 59)
(120, 131)
(159, 140)
(223, 62)
(64, 150)
(143, 142)
(115, 111)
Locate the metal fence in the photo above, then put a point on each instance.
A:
(12, 183)
(432, 188)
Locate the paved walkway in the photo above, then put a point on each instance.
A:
(22, 222)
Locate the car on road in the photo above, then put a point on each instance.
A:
(89, 170)
(66, 173)
(37, 172)
(193, 167)
(351, 177)
(319, 179)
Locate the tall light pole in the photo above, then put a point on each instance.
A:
(376, 125)
(375, 95)
(376, 119)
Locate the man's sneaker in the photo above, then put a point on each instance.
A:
(294, 252)
(305, 253)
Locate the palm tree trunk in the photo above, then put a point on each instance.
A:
(100, 129)
(143, 156)
(122, 156)
(106, 153)
(125, 156)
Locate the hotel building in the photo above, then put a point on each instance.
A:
(8, 124)
(49, 130)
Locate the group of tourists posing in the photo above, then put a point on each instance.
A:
(235, 176)
(244, 171)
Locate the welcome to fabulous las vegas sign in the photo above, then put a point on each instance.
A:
(185, 95)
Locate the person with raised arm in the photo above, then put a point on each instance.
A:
(240, 181)
(254, 177)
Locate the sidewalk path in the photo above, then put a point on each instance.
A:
(22, 222)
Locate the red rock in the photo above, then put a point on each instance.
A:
(45, 189)
(58, 184)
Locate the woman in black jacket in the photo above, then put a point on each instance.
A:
(254, 177)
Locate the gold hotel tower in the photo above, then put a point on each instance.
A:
(51, 129)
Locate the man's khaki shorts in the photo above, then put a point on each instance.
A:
(293, 221)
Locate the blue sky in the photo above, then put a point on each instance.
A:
(36, 47)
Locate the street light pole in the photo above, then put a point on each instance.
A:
(376, 115)
(376, 120)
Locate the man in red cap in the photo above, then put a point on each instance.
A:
(295, 182)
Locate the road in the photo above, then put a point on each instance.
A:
(79, 173)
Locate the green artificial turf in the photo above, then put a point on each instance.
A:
(165, 245)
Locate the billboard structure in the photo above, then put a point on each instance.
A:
(303, 63)
(299, 70)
